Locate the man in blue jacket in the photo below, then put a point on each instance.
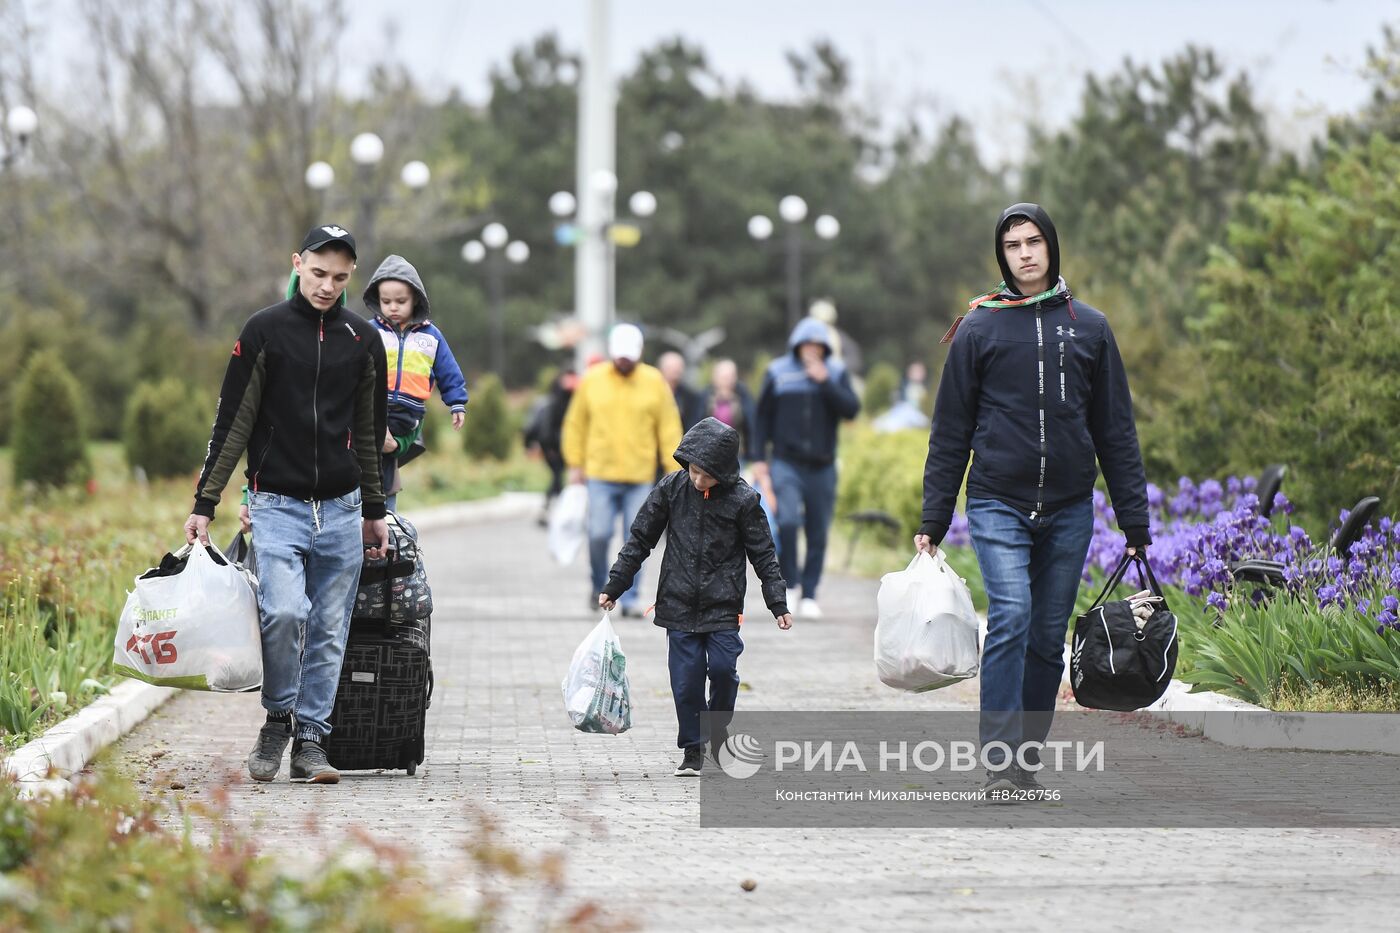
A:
(805, 396)
(1035, 388)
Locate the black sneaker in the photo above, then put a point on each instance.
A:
(309, 764)
(692, 762)
(265, 760)
(1000, 787)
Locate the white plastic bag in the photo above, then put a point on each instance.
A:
(596, 692)
(926, 636)
(196, 628)
(568, 523)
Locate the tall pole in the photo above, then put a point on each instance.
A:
(794, 274)
(496, 289)
(596, 154)
(365, 209)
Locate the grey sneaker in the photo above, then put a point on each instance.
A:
(265, 760)
(309, 765)
(1024, 780)
(999, 786)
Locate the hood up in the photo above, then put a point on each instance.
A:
(810, 330)
(396, 267)
(1036, 214)
(713, 446)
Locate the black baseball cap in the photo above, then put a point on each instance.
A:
(318, 237)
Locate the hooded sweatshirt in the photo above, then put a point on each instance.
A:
(417, 356)
(708, 537)
(1034, 388)
(798, 417)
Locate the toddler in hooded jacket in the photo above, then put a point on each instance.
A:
(418, 358)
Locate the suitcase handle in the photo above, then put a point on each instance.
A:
(396, 568)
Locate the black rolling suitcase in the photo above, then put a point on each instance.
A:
(386, 680)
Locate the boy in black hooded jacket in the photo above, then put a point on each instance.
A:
(715, 521)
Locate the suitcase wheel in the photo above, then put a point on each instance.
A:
(412, 769)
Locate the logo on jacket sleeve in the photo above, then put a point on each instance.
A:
(238, 348)
(1063, 331)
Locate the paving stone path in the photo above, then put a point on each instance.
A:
(500, 746)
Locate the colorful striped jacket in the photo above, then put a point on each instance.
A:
(418, 356)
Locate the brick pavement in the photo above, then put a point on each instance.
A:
(506, 624)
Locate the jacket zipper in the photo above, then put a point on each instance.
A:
(316, 414)
(699, 578)
(398, 377)
(1040, 380)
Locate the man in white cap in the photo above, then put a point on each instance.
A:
(621, 425)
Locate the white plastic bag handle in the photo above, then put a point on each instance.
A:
(940, 563)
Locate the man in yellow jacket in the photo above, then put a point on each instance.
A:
(622, 423)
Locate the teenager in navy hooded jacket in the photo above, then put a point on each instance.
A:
(1034, 388)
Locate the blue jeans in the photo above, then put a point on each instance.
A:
(806, 501)
(693, 658)
(1031, 569)
(309, 559)
(606, 503)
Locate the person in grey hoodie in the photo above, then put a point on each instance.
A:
(418, 358)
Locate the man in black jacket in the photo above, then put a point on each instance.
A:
(1035, 388)
(304, 396)
(713, 521)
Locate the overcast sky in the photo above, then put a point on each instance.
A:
(994, 62)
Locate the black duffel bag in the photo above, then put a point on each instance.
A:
(394, 588)
(1114, 664)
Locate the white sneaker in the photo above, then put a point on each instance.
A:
(792, 599)
(810, 609)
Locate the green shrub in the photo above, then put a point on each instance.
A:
(885, 472)
(880, 387)
(166, 429)
(490, 428)
(49, 436)
(1296, 350)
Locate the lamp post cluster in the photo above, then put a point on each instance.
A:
(610, 230)
(793, 211)
(366, 151)
(494, 244)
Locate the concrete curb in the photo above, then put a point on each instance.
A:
(1233, 722)
(45, 764)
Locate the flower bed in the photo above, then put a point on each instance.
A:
(1333, 623)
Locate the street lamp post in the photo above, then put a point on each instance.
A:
(793, 211)
(609, 230)
(21, 121)
(494, 244)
